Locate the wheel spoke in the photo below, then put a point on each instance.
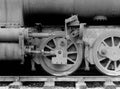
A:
(101, 59)
(118, 67)
(55, 43)
(69, 45)
(47, 55)
(72, 52)
(115, 64)
(113, 43)
(108, 64)
(49, 47)
(105, 44)
(71, 60)
(118, 45)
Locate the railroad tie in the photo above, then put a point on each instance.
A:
(109, 84)
(81, 84)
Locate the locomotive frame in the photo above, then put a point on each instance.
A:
(60, 50)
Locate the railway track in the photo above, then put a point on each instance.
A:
(52, 82)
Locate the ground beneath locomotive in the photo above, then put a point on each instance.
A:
(16, 69)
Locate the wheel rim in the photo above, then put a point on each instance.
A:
(106, 53)
(67, 50)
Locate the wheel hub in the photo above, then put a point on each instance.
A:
(113, 53)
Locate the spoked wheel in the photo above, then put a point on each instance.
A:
(106, 53)
(63, 57)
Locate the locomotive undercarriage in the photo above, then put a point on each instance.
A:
(61, 50)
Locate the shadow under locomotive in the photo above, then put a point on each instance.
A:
(10, 68)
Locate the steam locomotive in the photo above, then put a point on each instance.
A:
(62, 42)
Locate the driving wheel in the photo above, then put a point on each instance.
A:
(63, 55)
(106, 53)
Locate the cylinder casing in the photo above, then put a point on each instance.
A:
(10, 46)
(12, 34)
(10, 51)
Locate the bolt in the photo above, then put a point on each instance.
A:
(103, 52)
(59, 52)
(62, 44)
